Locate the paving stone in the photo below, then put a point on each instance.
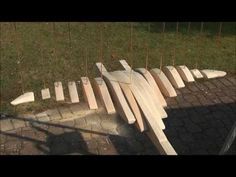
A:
(175, 122)
(65, 113)
(209, 85)
(93, 119)
(190, 98)
(30, 149)
(18, 123)
(225, 81)
(226, 99)
(201, 86)
(42, 117)
(28, 118)
(80, 123)
(217, 83)
(54, 114)
(70, 124)
(6, 125)
(192, 127)
(185, 90)
(192, 87)
(232, 80)
(212, 133)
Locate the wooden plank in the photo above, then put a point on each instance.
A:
(74, 97)
(164, 147)
(59, 91)
(209, 73)
(185, 73)
(141, 124)
(119, 99)
(163, 83)
(104, 95)
(196, 73)
(173, 76)
(88, 93)
(24, 98)
(147, 90)
(147, 75)
(145, 104)
(45, 93)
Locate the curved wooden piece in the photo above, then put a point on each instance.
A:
(73, 92)
(25, 98)
(210, 73)
(147, 75)
(185, 73)
(45, 93)
(173, 76)
(163, 83)
(119, 99)
(59, 91)
(196, 73)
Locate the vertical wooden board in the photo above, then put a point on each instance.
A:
(163, 83)
(88, 93)
(45, 93)
(121, 104)
(196, 73)
(104, 95)
(59, 91)
(125, 65)
(147, 75)
(141, 124)
(147, 108)
(209, 73)
(185, 73)
(74, 97)
(173, 76)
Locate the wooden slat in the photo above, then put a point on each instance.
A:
(141, 124)
(59, 91)
(196, 73)
(209, 74)
(24, 98)
(173, 76)
(147, 75)
(88, 93)
(185, 73)
(121, 104)
(145, 104)
(74, 97)
(104, 95)
(163, 83)
(45, 93)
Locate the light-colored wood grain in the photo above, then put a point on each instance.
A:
(147, 75)
(88, 93)
(163, 83)
(145, 104)
(45, 93)
(209, 73)
(59, 91)
(104, 95)
(24, 98)
(185, 73)
(74, 97)
(141, 124)
(196, 73)
(173, 76)
(121, 104)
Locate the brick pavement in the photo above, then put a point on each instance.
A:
(199, 119)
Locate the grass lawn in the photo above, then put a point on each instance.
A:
(68, 63)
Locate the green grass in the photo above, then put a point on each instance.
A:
(116, 36)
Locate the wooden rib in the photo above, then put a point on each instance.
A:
(209, 73)
(45, 93)
(59, 91)
(73, 92)
(147, 75)
(141, 124)
(88, 93)
(119, 99)
(173, 76)
(146, 106)
(196, 73)
(147, 90)
(185, 73)
(104, 95)
(163, 83)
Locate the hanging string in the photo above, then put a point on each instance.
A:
(18, 57)
(188, 33)
(147, 50)
(198, 45)
(162, 48)
(174, 50)
(54, 42)
(101, 47)
(86, 55)
(131, 50)
(189, 27)
(41, 56)
(218, 39)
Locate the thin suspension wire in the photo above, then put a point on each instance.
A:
(174, 50)
(147, 49)
(199, 41)
(131, 50)
(101, 47)
(19, 57)
(162, 49)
